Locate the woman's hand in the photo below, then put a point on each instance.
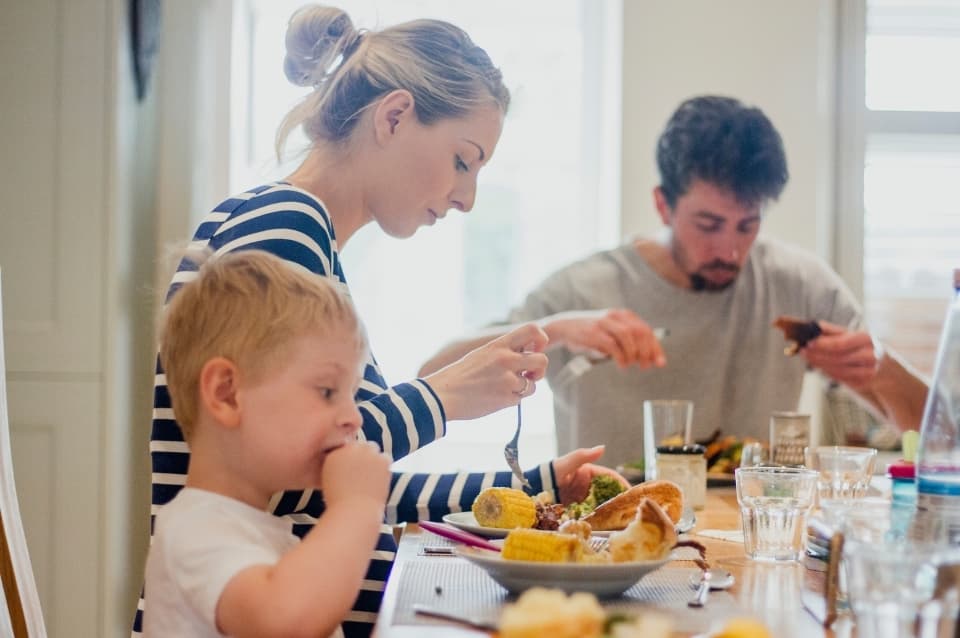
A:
(575, 470)
(494, 376)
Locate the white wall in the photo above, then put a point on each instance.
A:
(777, 55)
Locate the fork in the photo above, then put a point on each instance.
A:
(511, 454)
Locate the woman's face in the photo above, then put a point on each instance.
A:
(427, 170)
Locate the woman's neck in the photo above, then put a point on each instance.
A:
(335, 178)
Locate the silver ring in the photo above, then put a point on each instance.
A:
(526, 386)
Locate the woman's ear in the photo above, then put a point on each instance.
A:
(392, 111)
(219, 381)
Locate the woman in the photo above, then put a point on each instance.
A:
(400, 121)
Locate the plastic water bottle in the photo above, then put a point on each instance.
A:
(938, 459)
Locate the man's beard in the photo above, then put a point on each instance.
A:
(700, 283)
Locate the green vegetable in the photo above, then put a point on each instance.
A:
(602, 489)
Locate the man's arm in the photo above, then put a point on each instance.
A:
(898, 391)
(877, 375)
(617, 333)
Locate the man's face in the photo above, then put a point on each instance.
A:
(711, 233)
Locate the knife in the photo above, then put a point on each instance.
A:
(473, 621)
(459, 535)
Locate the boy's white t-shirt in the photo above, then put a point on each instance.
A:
(200, 541)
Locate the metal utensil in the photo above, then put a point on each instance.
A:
(709, 579)
(459, 535)
(578, 365)
(463, 618)
(512, 454)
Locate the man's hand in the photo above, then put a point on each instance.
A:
(620, 334)
(575, 470)
(847, 356)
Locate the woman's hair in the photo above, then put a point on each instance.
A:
(721, 141)
(250, 307)
(350, 69)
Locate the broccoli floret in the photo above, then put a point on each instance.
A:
(603, 488)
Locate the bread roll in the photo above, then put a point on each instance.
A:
(621, 509)
(650, 536)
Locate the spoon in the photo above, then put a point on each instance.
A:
(713, 578)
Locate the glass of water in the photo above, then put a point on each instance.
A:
(774, 502)
(898, 587)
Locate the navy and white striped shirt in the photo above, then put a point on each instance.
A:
(293, 224)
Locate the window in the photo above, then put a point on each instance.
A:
(555, 174)
(909, 111)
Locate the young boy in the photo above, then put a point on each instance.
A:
(262, 363)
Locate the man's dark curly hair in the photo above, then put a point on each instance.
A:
(721, 141)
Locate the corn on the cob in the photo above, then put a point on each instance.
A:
(504, 508)
(542, 546)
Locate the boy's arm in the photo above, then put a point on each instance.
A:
(309, 591)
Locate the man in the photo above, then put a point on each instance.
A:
(717, 288)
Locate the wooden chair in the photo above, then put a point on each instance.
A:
(20, 615)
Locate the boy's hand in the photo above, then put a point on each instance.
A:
(356, 472)
(575, 470)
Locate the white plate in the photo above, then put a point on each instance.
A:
(467, 522)
(518, 575)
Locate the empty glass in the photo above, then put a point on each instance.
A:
(774, 502)
(753, 454)
(666, 422)
(845, 472)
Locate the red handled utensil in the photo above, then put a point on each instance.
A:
(458, 535)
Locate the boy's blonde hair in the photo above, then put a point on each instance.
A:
(248, 307)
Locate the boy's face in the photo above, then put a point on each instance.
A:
(300, 409)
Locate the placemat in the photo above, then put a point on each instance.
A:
(432, 540)
(458, 585)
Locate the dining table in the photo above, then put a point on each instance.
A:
(785, 597)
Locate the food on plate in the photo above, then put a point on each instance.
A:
(798, 332)
(542, 612)
(617, 513)
(550, 612)
(742, 628)
(650, 536)
(504, 508)
(602, 489)
(542, 546)
(723, 455)
(578, 528)
(549, 515)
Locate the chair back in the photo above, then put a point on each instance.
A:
(20, 615)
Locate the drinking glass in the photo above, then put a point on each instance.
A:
(774, 502)
(666, 422)
(753, 454)
(845, 472)
(898, 587)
